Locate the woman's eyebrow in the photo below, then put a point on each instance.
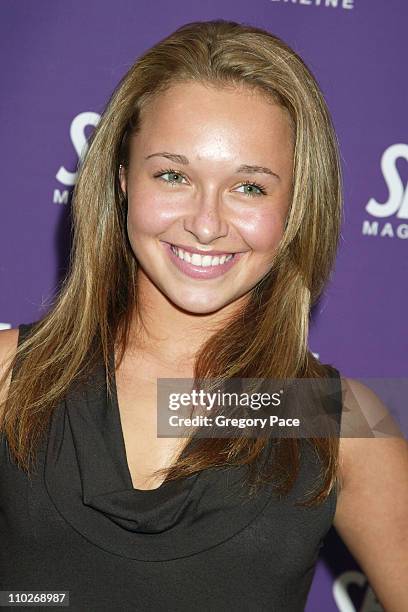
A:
(247, 168)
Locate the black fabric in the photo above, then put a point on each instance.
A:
(198, 543)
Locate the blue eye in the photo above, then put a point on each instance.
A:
(172, 173)
(261, 190)
(246, 184)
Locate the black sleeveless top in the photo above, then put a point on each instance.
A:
(78, 525)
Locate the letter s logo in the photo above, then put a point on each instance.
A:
(398, 199)
(342, 597)
(78, 139)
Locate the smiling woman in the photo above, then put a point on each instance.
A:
(206, 220)
(202, 208)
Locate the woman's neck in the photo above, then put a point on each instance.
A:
(168, 333)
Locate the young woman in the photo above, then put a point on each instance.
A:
(206, 219)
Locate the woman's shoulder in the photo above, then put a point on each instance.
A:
(371, 513)
(8, 337)
(8, 347)
(364, 417)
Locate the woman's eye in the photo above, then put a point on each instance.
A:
(252, 189)
(173, 176)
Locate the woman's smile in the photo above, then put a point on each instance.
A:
(201, 266)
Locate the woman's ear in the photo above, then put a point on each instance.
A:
(122, 179)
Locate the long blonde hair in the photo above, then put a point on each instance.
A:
(98, 296)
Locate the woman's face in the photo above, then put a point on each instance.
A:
(209, 170)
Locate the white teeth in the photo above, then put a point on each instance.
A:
(200, 260)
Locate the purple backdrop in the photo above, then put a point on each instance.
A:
(61, 60)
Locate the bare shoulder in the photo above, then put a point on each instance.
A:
(366, 424)
(8, 346)
(371, 512)
(364, 413)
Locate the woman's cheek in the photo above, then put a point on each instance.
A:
(264, 233)
(148, 215)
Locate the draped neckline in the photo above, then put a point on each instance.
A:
(87, 477)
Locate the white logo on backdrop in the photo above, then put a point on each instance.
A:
(396, 206)
(80, 144)
(341, 593)
(342, 4)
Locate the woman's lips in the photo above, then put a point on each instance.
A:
(202, 272)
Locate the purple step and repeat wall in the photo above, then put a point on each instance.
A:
(60, 60)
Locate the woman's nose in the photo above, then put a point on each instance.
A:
(207, 219)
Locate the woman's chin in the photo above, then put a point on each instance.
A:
(196, 306)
